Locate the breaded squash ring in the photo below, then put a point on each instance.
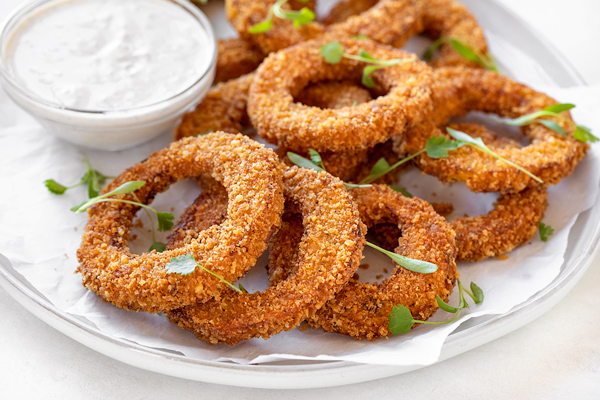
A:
(236, 57)
(329, 253)
(280, 120)
(458, 91)
(253, 178)
(361, 310)
(390, 22)
(441, 18)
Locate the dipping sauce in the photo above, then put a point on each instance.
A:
(108, 55)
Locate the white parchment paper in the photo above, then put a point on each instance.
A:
(40, 237)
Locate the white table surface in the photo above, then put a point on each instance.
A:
(556, 356)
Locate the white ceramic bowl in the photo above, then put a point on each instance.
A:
(106, 130)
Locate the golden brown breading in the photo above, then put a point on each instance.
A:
(253, 178)
(458, 91)
(330, 252)
(282, 121)
(236, 57)
(361, 310)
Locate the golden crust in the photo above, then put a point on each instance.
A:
(253, 178)
(457, 91)
(440, 18)
(330, 252)
(236, 57)
(390, 22)
(361, 310)
(282, 121)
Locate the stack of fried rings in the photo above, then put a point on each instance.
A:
(358, 310)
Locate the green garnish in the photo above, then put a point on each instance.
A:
(92, 178)
(401, 320)
(545, 231)
(464, 139)
(164, 220)
(333, 52)
(581, 133)
(485, 60)
(186, 264)
(316, 163)
(303, 17)
(199, 1)
(404, 192)
(422, 267)
(381, 168)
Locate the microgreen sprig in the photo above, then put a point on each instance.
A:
(485, 60)
(303, 17)
(316, 163)
(333, 52)
(164, 220)
(92, 178)
(186, 264)
(581, 133)
(545, 231)
(199, 1)
(401, 320)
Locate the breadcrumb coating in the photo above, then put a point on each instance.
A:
(329, 253)
(253, 178)
(298, 127)
(458, 91)
(236, 57)
(390, 22)
(361, 310)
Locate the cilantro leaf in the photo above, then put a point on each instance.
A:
(55, 187)
(332, 52)
(158, 246)
(165, 221)
(400, 320)
(545, 231)
(183, 265)
(445, 306)
(381, 166)
(439, 146)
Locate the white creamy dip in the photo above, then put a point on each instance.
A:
(108, 55)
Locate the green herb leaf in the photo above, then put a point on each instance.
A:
(158, 246)
(419, 266)
(304, 17)
(428, 55)
(367, 71)
(477, 293)
(303, 162)
(445, 306)
(400, 320)
(183, 265)
(464, 50)
(242, 288)
(332, 52)
(261, 27)
(478, 143)
(545, 231)
(362, 53)
(55, 187)
(439, 146)
(361, 37)
(404, 192)
(165, 221)
(558, 108)
(552, 125)
(316, 158)
(584, 134)
(381, 166)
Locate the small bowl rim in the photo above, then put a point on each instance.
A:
(20, 13)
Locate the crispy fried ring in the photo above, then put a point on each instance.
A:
(441, 18)
(389, 22)
(253, 178)
(224, 106)
(457, 91)
(283, 75)
(511, 223)
(329, 253)
(236, 57)
(361, 310)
